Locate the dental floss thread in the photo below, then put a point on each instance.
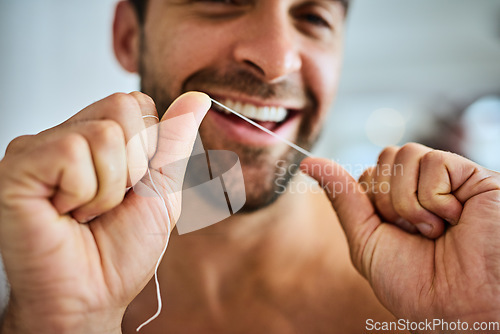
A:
(284, 140)
(151, 116)
(157, 284)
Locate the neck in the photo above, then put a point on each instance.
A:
(291, 211)
(274, 247)
(294, 229)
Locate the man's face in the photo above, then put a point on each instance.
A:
(275, 61)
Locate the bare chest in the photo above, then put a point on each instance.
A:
(309, 305)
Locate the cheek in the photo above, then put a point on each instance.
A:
(321, 75)
(180, 50)
(326, 75)
(190, 46)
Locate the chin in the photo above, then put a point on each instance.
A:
(264, 183)
(257, 199)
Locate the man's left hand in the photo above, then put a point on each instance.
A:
(423, 227)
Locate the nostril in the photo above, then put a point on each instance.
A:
(271, 56)
(255, 67)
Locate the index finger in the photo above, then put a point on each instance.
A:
(125, 109)
(134, 112)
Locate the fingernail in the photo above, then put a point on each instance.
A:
(87, 220)
(451, 221)
(425, 228)
(405, 225)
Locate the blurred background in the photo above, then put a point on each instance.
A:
(426, 71)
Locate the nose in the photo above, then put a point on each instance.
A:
(269, 47)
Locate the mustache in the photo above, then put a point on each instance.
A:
(247, 83)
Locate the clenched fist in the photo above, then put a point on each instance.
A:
(423, 227)
(77, 247)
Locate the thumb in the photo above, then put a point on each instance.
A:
(177, 133)
(178, 129)
(353, 207)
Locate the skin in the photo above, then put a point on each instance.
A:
(283, 53)
(282, 50)
(454, 273)
(54, 183)
(66, 213)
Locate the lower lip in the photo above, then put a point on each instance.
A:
(233, 127)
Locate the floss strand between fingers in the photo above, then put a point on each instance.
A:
(157, 284)
(284, 140)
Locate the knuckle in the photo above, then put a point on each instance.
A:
(18, 144)
(9, 187)
(3, 184)
(74, 147)
(433, 157)
(126, 110)
(387, 152)
(367, 174)
(123, 102)
(414, 146)
(107, 132)
(144, 98)
(409, 149)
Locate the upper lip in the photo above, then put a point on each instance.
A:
(289, 105)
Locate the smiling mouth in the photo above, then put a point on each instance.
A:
(268, 116)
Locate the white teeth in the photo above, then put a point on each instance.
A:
(263, 114)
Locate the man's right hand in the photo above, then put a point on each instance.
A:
(77, 247)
